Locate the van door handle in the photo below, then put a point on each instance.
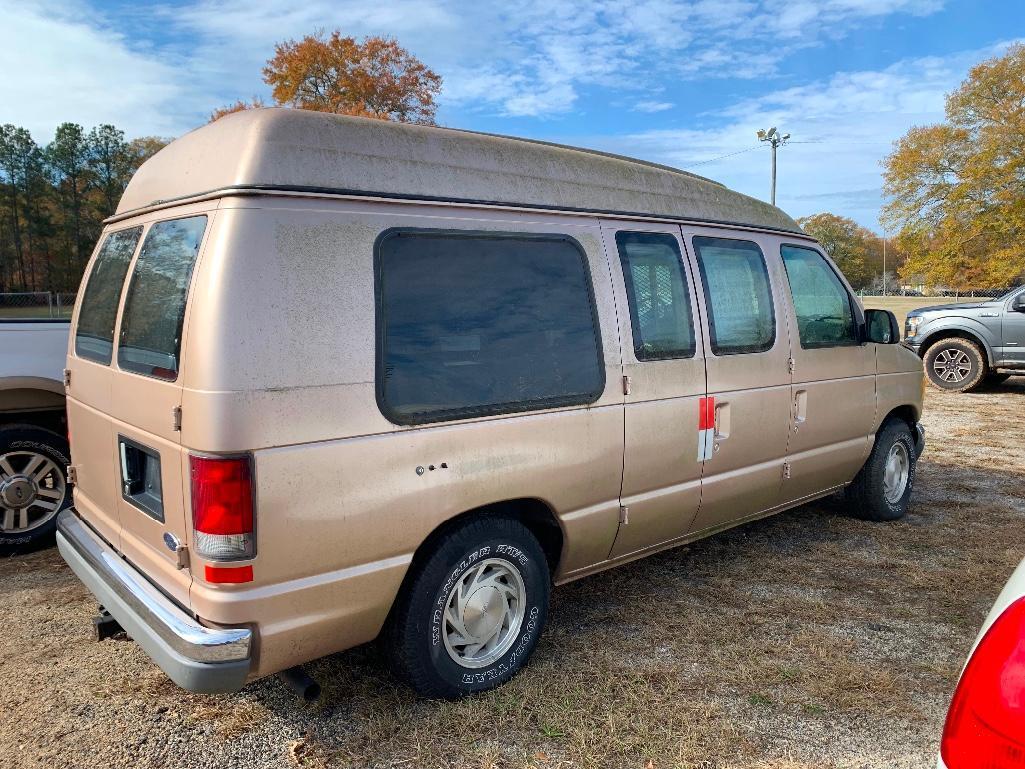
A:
(800, 408)
(722, 421)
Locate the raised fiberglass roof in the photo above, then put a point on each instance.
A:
(299, 150)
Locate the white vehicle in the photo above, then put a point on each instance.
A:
(34, 454)
(985, 727)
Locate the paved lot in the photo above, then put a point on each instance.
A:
(806, 640)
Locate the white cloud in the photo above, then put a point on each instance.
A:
(162, 68)
(61, 63)
(532, 58)
(842, 128)
(653, 106)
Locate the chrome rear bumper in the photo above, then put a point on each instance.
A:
(196, 657)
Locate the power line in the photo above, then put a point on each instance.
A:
(720, 157)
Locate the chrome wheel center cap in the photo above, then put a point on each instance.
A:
(484, 611)
(17, 492)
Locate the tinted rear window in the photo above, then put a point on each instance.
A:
(94, 337)
(478, 324)
(657, 293)
(151, 325)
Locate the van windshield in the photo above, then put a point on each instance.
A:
(151, 325)
(94, 337)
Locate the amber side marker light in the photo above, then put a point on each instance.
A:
(222, 514)
(985, 727)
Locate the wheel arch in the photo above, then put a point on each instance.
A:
(957, 332)
(536, 514)
(906, 414)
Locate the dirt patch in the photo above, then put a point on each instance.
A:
(806, 640)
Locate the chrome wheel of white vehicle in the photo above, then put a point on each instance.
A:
(32, 491)
(896, 472)
(483, 613)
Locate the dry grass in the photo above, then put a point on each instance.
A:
(807, 640)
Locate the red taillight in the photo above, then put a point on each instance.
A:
(985, 727)
(222, 507)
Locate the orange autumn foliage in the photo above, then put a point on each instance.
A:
(374, 78)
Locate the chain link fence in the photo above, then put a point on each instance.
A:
(36, 305)
(957, 295)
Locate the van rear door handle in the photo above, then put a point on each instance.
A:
(722, 421)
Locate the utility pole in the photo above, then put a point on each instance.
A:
(884, 262)
(775, 139)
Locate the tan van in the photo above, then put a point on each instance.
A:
(334, 379)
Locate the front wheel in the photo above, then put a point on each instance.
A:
(33, 486)
(882, 489)
(471, 613)
(955, 364)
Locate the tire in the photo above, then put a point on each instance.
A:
(422, 644)
(33, 468)
(873, 496)
(956, 365)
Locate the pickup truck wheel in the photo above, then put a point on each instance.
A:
(882, 489)
(33, 486)
(955, 364)
(471, 613)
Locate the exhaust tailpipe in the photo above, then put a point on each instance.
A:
(301, 684)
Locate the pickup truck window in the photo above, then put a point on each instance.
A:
(151, 324)
(823, 306)
(94, 337)
(471, 324)
(656, 291)
(741, 318)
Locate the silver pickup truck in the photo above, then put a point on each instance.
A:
(967, 345)
(33, 432)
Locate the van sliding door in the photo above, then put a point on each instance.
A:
(747, 359)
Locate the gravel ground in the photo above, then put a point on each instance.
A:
(806, 640)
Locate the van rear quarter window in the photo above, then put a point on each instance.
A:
(94, 337)
(471, 324)
(151, 324)
(741, 314)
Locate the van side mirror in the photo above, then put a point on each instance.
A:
(881, 327)
(1018, 305)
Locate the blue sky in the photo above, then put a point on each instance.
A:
(682, 82)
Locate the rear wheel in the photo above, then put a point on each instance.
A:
(882, 489)
(33, 486)
(471, 613)
(955, 364)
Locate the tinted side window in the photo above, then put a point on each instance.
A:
(823, 306)
(657, 293)
(94, 337)
(151, 325)
(475, 324)
(741, 318)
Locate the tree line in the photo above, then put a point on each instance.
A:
(54, 198)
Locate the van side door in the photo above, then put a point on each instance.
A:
(664, 374)
(833, 408)
(747, 362)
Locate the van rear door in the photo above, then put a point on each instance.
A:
(141, 418)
